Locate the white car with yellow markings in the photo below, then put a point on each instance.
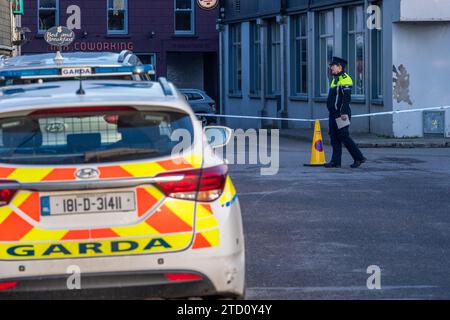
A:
(90, 181)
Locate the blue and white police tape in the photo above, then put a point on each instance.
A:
(322, 119)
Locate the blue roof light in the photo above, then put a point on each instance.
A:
(8, 74)
(133, 69)
(29, 73)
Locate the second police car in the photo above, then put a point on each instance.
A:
(39, 68)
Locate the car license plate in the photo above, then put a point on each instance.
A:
(88, 203)
(76, 72)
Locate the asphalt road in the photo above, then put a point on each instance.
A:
(311, 233)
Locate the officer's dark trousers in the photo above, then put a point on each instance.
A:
(339, 137)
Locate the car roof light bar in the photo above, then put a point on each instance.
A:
(165, 86)
(123, 55)
(30, 73)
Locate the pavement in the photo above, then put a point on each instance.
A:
(368, 140)
(312, 233)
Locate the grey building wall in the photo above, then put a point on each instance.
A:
(5, 27)
(426, 60)
(383, 125)
(408, 34)
(242, 104)
(247, 9)
(311, 106)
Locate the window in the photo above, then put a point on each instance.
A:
(355, 49)
(274, 58)
(377, 63)
(235, 59)
(184, 17)
(147, 58)
(326, 49)
(48, 14)
(90, 137)
(117, 16)
(300, 55)
(255, 58)
(193, 96)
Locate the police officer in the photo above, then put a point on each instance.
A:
(338, 105)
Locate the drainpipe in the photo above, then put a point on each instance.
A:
(311, 74)
(221, 28)
(221, 80)
(282, 20)
(263, 37)
(283, 112)
(368, 71)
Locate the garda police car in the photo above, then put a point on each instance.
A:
(118, 182)
(38, 68)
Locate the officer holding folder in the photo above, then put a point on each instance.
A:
(338, 105)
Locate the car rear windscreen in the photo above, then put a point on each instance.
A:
(89, 136)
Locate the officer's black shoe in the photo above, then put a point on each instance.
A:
(358, 163)
(332, 165)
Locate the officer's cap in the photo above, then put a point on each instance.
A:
(339, 61)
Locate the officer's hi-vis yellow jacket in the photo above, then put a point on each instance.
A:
(340, 95)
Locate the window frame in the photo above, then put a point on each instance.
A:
(377, 62)
(274, 54)
(235, 59)
(323, 36)
(255, 58)
(117, 32)
(298, 43)
(192, 10)
(377, 66)
(352, 46)
(56, 9)
(152, 55)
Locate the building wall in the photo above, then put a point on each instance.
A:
(246, 9)
(410, 28)
(428, 72)
(311, 106)
(415, 10)
(383, 124)
(242, 104)
(150, 31)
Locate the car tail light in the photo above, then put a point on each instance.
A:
(204, 185)
(213, 106)
(112, 118)
(7, 194)
(7, 285)
(175, 277)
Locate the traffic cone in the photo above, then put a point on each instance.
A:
(317, 150)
